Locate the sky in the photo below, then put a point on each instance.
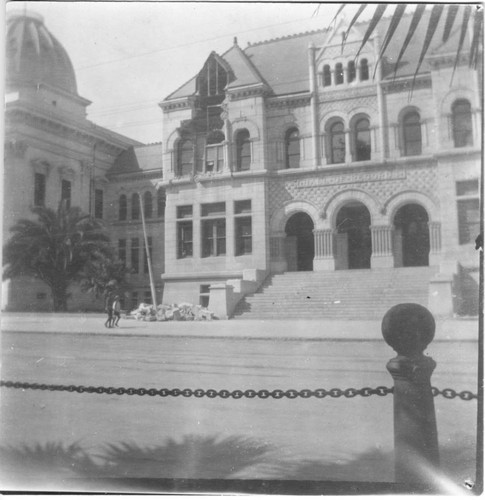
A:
(129, 56)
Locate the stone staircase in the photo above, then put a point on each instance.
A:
(349, 294)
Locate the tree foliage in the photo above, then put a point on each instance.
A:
(56, 249)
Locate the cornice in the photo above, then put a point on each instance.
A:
(19, 114)
(239, 93)
(150, 174)
(290, 101)
(177, 104)
(331, 95)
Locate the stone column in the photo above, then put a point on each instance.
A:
(382, 246)
(277, 252)
(324, 259)
(348, 150)
(434, 243)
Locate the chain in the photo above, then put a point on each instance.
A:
(225, 394)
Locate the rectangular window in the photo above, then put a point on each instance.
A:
(145, 260)
(122, 250)
(66, 193)
(184, 231)
(135, 255)
(243, 227)
(214, 160)
(134, 300)
(98, 203)
(468, 205)
(213, 229)
(204, 294)
(39, 190)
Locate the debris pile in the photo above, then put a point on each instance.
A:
(173, 312)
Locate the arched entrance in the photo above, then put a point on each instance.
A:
(411, 236)
(299, 242)
(353, 241)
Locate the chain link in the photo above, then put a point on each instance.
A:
(236, 394)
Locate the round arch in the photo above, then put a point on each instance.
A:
(281, 215)
(332, 207)
(243, 123)
(393, 204)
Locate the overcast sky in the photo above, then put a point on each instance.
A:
(128, 56)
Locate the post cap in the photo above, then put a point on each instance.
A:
(408, 328)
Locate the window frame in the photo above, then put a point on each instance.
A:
(184, 228)
(243, 150)
(332, 135)
(292, 142)
(135, 206)
(361, 153)
(66, 192)
(468, 229)
(185, 167)
(406, 127)
(213, 229)
(123, 207)
(98, 203)
(462, 138)
(40, 189)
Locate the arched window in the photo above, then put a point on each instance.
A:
(135, 206)
(327, 76)
(292, 148)
(337, 143)
(160, 203)
(243, 150)
(462, 123)
(411, 128)
(123, 207)
(362, 140)
(364, 70)
(185, 157)
(351, 71)
(148, 205)
(339, 74)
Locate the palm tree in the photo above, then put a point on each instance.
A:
(55, 249)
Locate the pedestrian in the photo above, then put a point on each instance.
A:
(116, 310)
(108, 308)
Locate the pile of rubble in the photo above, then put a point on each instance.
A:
(173, 312)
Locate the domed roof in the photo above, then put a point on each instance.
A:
(34, 55)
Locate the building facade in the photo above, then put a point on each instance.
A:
(298, 154)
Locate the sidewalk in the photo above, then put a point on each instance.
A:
(93, 324)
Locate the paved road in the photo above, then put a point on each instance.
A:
(305, 439)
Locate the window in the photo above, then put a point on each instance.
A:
(122, 250)
(412, 134)
(468, 211)
(135, 255)
(185, 160)
(292, 148)
(39, 190)
(184, 232)
(123, 208)
(364, 70)
(148, 205)
(135, 206)
(243, 151)
(145, 259)
(243, 227)
(339, 74)
(337, 143)
(204, 295)
(134, 300)
(462, 124)
(214, 153)
(161, 201)
(66, 193)
(98, 203)
(327, 76)
(213, 229)
(212, 80)
(351, 72)
(362, 140)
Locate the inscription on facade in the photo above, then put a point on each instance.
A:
(349, 179)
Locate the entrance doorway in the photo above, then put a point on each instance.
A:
(411, 236)
(353, 241)
(300, 249)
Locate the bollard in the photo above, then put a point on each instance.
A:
(408, 329)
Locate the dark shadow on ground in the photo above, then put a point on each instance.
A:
(202, 457)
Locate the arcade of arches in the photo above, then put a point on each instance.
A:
(354, 243)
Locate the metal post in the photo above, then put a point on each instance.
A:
(408, 329)
(147, 250)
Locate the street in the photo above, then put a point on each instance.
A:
(306, 439)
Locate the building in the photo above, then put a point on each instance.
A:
(296, 154)
(52, 151)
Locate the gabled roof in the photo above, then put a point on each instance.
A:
(244, 70)
(138, 159)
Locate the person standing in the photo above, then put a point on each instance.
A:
(116, 310)
(108, 307)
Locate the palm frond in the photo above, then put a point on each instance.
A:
(352, 22)
(464, 27)
(450, 20)
(379, 12)
(477, 38)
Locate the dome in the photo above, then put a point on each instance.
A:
(34, 56)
